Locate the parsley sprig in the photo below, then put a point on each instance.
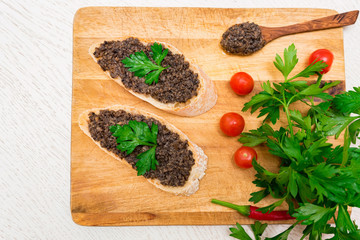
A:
(142, 66)
(134, 134)
(315, 178)
(257, 229)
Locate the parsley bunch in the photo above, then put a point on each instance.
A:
(141, 65)
(134, 134)
(315, 178)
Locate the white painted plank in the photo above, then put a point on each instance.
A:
(35, 103)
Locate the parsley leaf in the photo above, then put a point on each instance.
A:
(153, 77)
(344, 221)
(284, 235)
(315, 90)
(311, 70)
(239, 233)
(271, 207)
(141, 65)
(134, 134)
(354, 130)
(348, 102)
(158, 54)
(311, 213)
(290, 61)
(257, 101)
(146, 161)
(256, 137)
(257, 228)
(335, 125)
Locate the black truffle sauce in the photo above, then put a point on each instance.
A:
(243, 39)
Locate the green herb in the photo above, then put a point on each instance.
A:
(135, 134)
(290, 60)
(141, 65)
(158, 54)
(239, 232)
(315, 178)
(258, 229)
(284, 235)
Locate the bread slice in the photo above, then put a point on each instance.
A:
(197, 171)
(197, 105)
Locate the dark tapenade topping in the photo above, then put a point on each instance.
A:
(243, 39)
(173, 154)
(177, 84)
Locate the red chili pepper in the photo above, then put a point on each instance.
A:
(250, 211)
(274, 215)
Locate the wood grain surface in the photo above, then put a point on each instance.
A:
(107, 192)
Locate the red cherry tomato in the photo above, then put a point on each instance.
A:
(244, 156)
(242, 83)
(232, 124)
(324, 55)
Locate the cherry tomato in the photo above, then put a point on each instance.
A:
(242, 83)
(232, 124)
(244, 156)
(324, 55)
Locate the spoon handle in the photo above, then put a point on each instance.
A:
(333, 21)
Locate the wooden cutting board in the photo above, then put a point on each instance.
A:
(105, 191)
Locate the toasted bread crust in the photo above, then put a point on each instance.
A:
(197, 105)
(197, 171)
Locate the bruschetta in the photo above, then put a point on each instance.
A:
(182, 88)
(181, 163)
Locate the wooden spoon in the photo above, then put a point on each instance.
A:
(334, 21)
(247, 38)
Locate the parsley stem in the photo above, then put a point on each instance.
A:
(318, 80)
(277, 99)
(288, 104)
(288, 119)
(346, 148)
(312, 101)
(285, 105)
(286, 109)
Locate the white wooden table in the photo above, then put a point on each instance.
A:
(35, 103)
